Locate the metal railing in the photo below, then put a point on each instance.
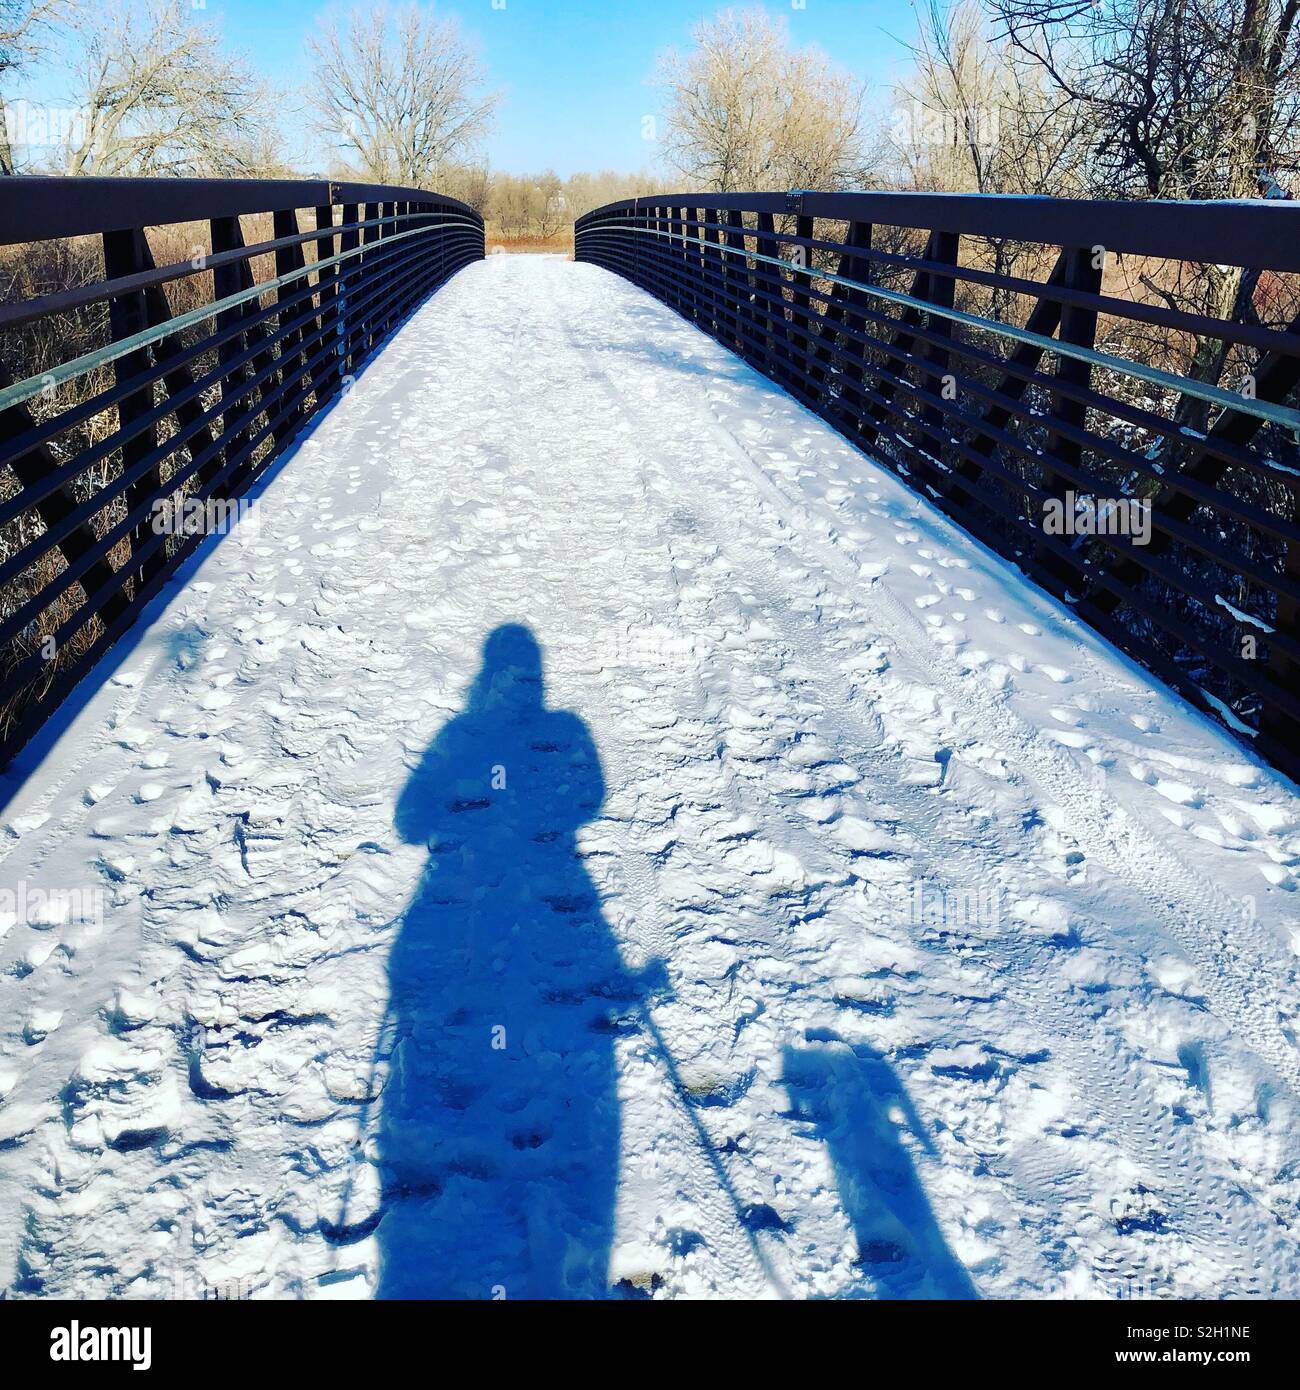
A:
(150, 390)
(1033, 367)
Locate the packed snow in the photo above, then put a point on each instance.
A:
(590, 831)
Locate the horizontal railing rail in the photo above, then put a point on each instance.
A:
(1101, 391)
(133, 393)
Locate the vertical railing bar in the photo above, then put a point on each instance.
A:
(1082, 271)
(124, 254)
(327, 287)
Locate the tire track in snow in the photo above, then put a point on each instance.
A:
(1245, 993)
(1134, 1121)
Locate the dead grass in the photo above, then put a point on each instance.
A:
(561, 243)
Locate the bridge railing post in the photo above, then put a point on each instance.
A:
(125, 254)
(770, 284)
(1082, 272)
(1279, 721)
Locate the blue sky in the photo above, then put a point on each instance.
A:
(574, 71)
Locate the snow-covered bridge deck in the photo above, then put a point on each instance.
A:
(837, 916)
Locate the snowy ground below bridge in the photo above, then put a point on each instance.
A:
(835, 916)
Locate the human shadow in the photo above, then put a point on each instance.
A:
(499, 1138)
(858, 1107)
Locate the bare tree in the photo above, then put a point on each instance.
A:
(743, 110)
(583, 191)
(1186, 98)
(157, 95)
(542, 205)
(552, 210)
(509, 204)
(25, 27)
(471, 182)
(531, 205)
(975, 116)
(404, 96)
